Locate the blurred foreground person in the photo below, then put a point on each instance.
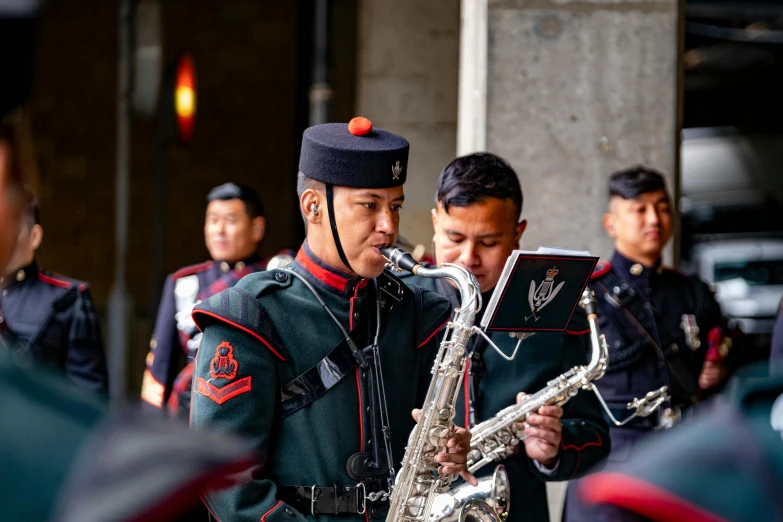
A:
(63, 456)
(725, 466)
(233, 228)
(662, 327)
(51, 316)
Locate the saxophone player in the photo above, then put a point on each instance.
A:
(477, 225)
(321, 364)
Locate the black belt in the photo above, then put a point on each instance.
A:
(330, 500)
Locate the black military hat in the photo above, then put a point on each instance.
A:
(354, 155)
(249, 195)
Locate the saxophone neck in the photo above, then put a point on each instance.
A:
(467, 285)
(599, 350)
(470, 294)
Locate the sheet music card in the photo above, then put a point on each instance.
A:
(538, 291)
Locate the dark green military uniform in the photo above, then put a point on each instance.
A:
(725, 466)
(268, 330)
(65, 457)
(542, 357)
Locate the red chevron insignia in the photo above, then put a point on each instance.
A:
(229, 391)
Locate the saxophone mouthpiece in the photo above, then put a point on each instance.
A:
(400, 258)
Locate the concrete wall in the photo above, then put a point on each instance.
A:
(575, 90)
(407, 83)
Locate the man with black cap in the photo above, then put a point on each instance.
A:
(50, 315)
(322, 363)
(233, 228)
(662, 327)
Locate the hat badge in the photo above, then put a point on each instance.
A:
(396, 170)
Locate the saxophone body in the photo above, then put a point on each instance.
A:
(418, 481)
(495, 439)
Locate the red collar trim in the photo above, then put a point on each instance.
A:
(641, 497)
(332, 277)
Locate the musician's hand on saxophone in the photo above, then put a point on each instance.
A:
(544, 433)
(454, 457)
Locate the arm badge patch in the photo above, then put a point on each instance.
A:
(223, 365)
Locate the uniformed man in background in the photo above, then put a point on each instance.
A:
(662, 327)
(52, 316)
(233, 228)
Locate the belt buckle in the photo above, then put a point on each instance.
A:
(362, 492)
(312, 500)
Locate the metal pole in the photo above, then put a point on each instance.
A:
(320, 90)
(472, 109)
(119, 300)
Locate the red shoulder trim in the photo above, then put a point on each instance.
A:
(641, 497)
(54, 282)
(438, 329)
(240, 327)
(263, 517)
(190, 270)
(602, 268)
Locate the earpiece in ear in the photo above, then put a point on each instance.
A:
(314, 209)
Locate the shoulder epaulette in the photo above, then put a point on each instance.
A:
(54, 280)
(238, 308)
(192, 269)
(60, 281)
(601, 269)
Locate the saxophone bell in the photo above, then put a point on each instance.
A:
(489, 501)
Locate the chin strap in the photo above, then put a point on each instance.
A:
(333, 225)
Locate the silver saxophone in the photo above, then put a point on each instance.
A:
(418, 480)
(495, 439)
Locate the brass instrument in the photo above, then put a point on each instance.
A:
(418, 481)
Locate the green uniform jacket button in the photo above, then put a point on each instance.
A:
(290, 511)
(281, 277)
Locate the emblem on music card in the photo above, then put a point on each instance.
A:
(541, 296)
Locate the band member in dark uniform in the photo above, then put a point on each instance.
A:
(321, 364)
(52, 317)
(477, 225)
(663, 328)
(233, 228)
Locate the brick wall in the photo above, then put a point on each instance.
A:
(250, 114)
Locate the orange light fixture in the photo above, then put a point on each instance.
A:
(185, 97)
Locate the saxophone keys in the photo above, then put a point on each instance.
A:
(439, 436)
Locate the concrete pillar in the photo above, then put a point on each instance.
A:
(569, 91)
(407, 72)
